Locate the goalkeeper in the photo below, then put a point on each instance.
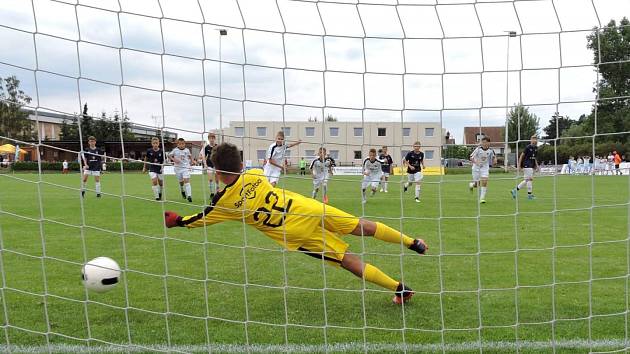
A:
(294, 221)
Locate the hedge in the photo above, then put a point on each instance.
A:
(468, 170)
(73, 166)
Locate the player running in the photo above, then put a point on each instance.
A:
(527, 161)
(155, 159)
(213, 181)
(275, 164)
(414, 160)
(372, 171)
(92, 166)
(294, 221)
(182, 159)
(482, 158)
(321, 169)
(387, 165)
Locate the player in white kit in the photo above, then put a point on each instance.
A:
(182, 160)
(372, 171)
(482, 158)
(275, 163)
(321, 169)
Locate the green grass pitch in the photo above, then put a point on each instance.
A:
(505, 272)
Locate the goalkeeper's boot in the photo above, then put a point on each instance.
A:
(513, 192)
(403, 294)
(189, 199)
(531, 197)
(419, 246)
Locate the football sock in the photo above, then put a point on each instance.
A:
(188, 189)
(483, 192)
(363, 194)
(385, 186)
(97, 186)
(388, 234)
(181, 188)
(376, 276)
(325, 190)
(156, 191)
(529, 187)
(417, 191)
(82, 186)
(521, 185)
(211, 186)
(314, 194)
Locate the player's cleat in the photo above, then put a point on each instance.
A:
(386, 191)
(513, 191)
(531, 197)
(419, 246)
(98, 195)
(82, 193)
(381, 190)
(160, 196)
(157, 199)
(417, 200)
(403, 294)
(405, 186)
(482, 201)
(363, 201)
(183, 194)
(325, 199)
(189, 199)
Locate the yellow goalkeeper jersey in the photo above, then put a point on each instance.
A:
(288, 218)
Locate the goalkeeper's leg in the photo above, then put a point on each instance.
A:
(385, 233)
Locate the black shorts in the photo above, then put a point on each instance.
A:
(617, 167)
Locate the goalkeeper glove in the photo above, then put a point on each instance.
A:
(171, 219)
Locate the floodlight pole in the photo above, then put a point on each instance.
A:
(507, 97)
(222, 32)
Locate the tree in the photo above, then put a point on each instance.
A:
(104, 128)
(521, 125)
(563, 123)
(14, 122)
(457, 152)
(330, 118)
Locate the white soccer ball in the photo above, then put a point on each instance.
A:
(100, 274)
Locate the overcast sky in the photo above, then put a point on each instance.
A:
(421, 60)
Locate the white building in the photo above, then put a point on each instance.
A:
(347, 142)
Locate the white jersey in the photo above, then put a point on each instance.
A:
(65, 165)
(181, 157)
(276, 153)
(373, 168)
(482, 157)
(320, 168)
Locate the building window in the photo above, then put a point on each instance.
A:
(239, 132)
(358, 131)
(260, 154)
(287, 131)
(357, 154)
(403, 153)
(429, 131)
(310, 131)
(261, 131)
(382, 131)
(428, 154)
(309, 153)
(334, 154)
(334, 131)
(406, 131)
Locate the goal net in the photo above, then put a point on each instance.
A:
(536, 260)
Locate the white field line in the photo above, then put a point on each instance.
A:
(576, 344)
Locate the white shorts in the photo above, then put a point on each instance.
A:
(528, 173)
(318, 182)
(155, 175)
(272, 173)
(479, 173)
(182, 174)
(370, 181)
(92, 173)
(415, 177)
(385, 174)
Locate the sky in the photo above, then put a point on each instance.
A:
(383, 60)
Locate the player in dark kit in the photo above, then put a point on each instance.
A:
(386, 164)
(414, 160)
(155, 160)
(527, 161)
(213, 180)
(92, 166)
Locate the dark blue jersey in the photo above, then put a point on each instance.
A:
(207, 151)
(414, 159)
(386, 162)
(93, 158)
(156, 158)
(529, 160)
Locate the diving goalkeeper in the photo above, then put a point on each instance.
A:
(294, 221)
